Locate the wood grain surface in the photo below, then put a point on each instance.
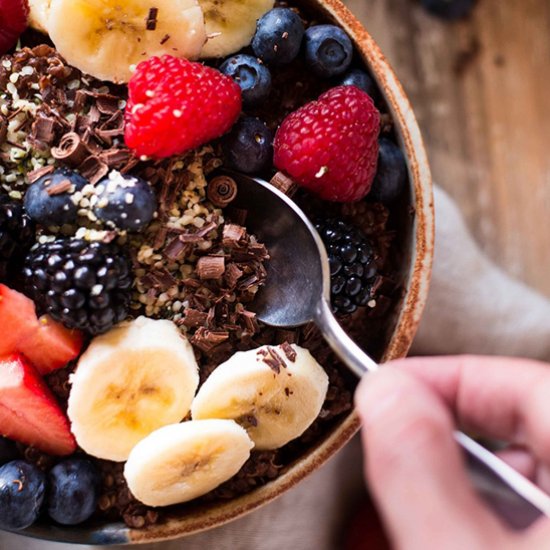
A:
(481, 92)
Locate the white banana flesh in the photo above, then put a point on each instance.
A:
(275, 408)
(136, 378)
(230, 24)
(107, 38)
(184, 461)
(38, 14)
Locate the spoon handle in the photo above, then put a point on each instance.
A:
(515, 499)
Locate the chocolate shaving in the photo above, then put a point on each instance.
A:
(60, 188)
(107, 104)
(115, 158)
(44, 130)
(71, 150)
(284, 184)
(93, 169)
(206, 340)
(194, 318)
(221, 191)
(35, 175)
(210, 267)
(232, 275)
(3, 129)
(237, 215)
(165, 39)
(288, 351)
(272, 359)
(151, 22)
(232, 234)
(176, 249)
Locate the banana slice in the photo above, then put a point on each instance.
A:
(38, 14)
(274, 392)
(181, 462)
(104, 38)
(231, 24)
(131, 381)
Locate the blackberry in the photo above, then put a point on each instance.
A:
(83, 285)
(16, 235)
(352, 265)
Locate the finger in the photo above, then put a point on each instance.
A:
(503, 398)
(414, 467)
(521, 460)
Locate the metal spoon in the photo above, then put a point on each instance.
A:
(298, 292)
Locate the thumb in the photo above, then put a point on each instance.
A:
(414, 467)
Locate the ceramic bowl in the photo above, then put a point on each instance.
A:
(415, 245)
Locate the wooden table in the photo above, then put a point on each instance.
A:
(481, 92)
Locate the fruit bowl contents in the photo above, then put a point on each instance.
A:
(134, 376)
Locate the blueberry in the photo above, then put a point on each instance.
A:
(8, 450)
(251, 75)
(449, 9)
(127, 202)
(57, 208)
(73, 491)
(328, 50)
(278, 36)
(248, 147)
(22, 488)
(391, 175)
(360, 79)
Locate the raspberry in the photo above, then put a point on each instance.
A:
(175, 105)
(14, 15)
(330, 146)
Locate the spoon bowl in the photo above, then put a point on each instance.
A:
(298, 272)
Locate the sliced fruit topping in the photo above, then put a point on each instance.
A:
(274, 392)
(73, 491)
(278, 36)
(328, 50)
(136, 378)
(47, 344)
(181, 462)
(19, 314)
(38, 14)
(175, 105)
(14, 15)
(230, 24)
(252, 76)
(124, 201)
(16, 235)
(105, 38)
(82, 285)
(330, 146)
(248, 147)
(48, 201)
(28, 411)
(22, 490)
(51, 346)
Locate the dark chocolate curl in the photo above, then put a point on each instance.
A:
(71, 150)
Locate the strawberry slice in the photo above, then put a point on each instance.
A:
(17, 319)
(14, 18)
(51, 346)
(29, 412)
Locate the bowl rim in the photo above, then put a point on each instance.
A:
(414, 300)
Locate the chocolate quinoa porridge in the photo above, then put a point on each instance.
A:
(173, 249)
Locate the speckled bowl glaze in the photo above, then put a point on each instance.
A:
(418, 249)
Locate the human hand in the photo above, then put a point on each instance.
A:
(413, 465)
